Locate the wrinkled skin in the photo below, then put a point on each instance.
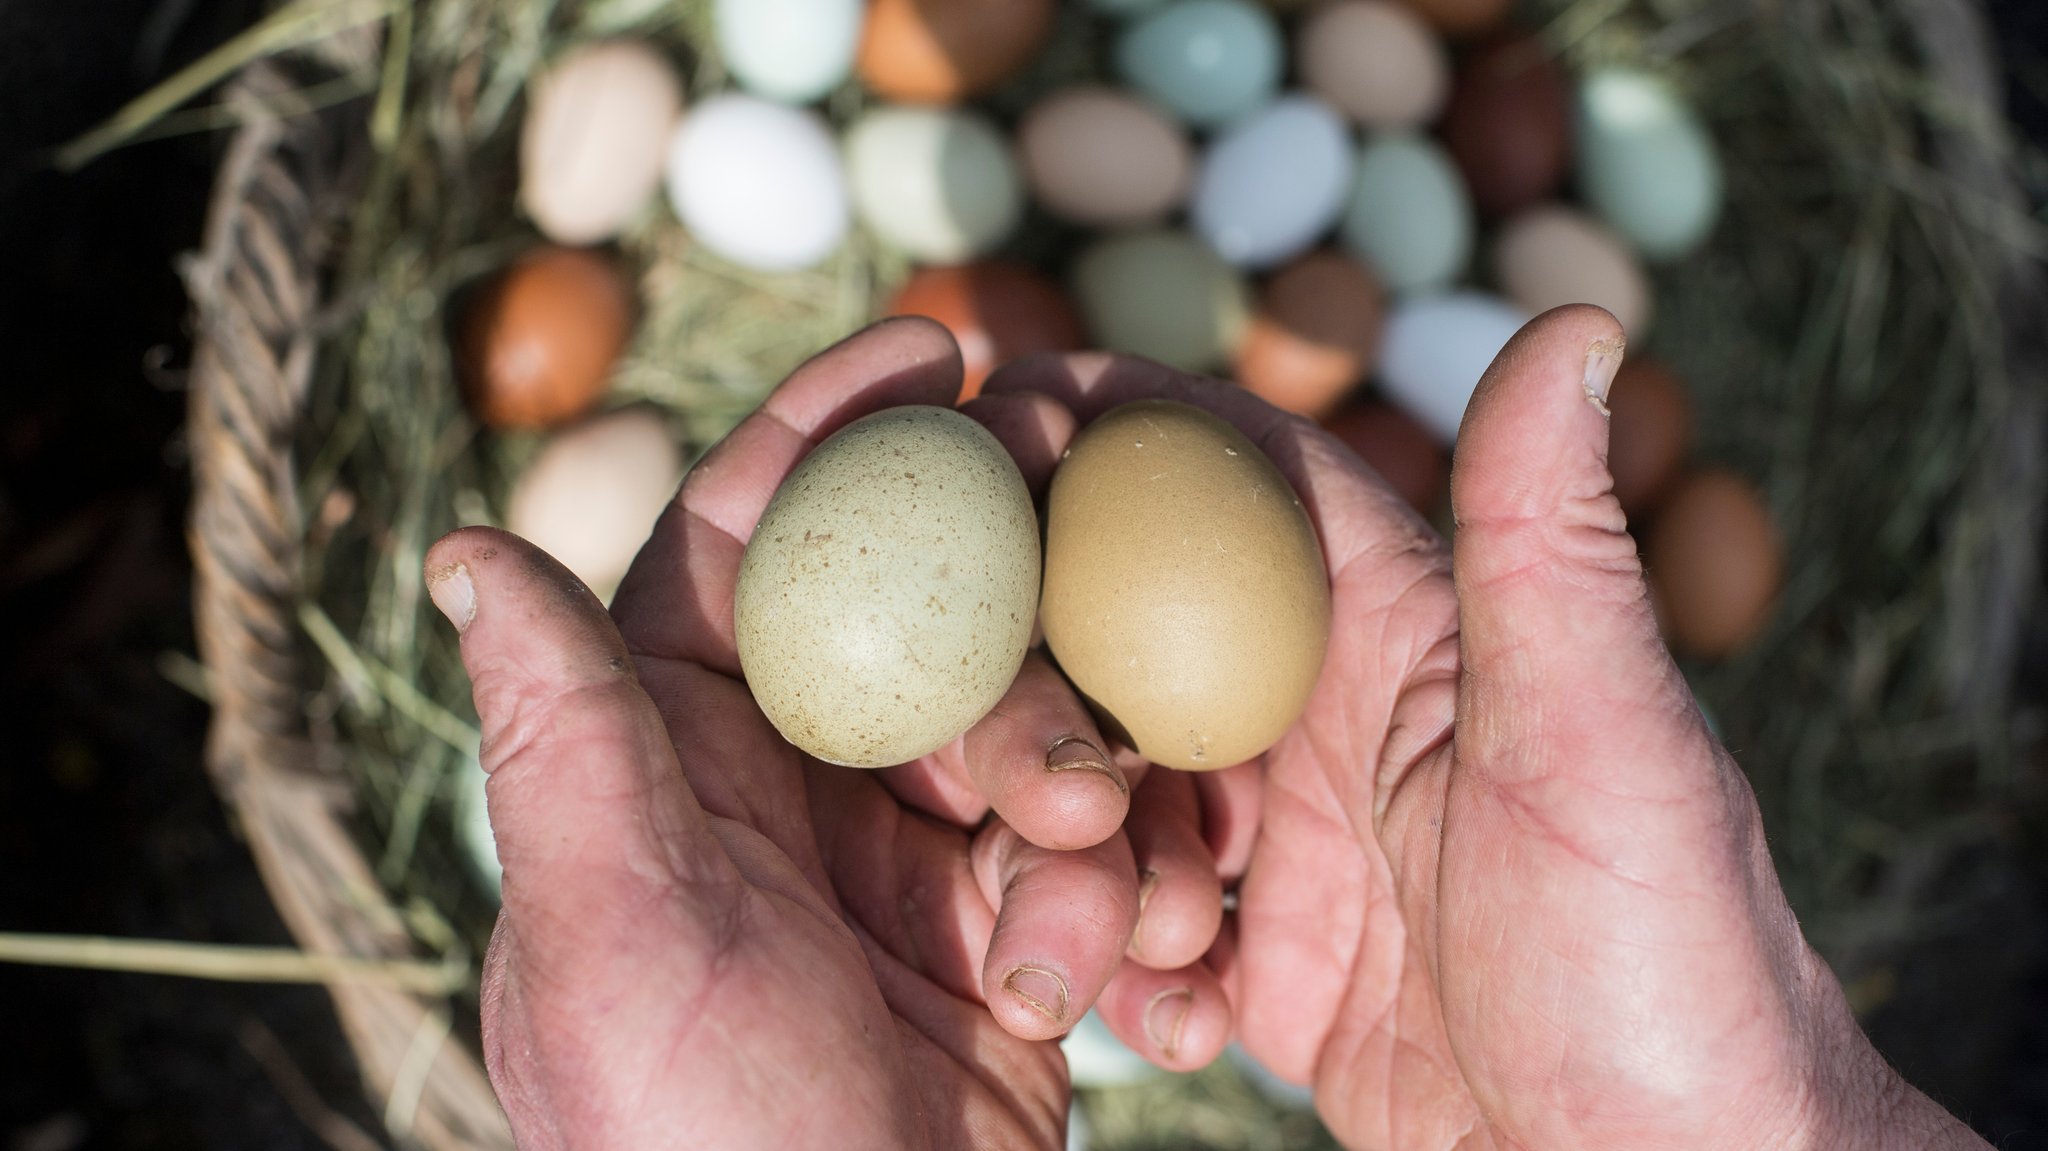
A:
(1499, 886)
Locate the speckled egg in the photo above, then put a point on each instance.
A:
(1185, 592)
(885, 600)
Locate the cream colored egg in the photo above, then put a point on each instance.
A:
(591, 149)
(1100, 157)
(1375, 61)
(1185, 592)
(886, 598)
(1550, 256)
(591, 496)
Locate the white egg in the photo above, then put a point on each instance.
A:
(937, 183)
(789, 50)
(591, 496)
(590, 148)
(1436, 349)
(1274, 183)
(1410, 217)
(758, 183)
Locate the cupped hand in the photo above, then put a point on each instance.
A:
(710, 940)
(1500, 887)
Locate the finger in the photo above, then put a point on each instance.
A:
(1230, 801)
(676, 602)
(1033, 428)
(1180, 897)
(1041, 763)
(590, 814)
(1178, 1019)
(1063, 919)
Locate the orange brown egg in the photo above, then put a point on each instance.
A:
(943, 51)
(537, 343)
(997, 311)
(1316, 333)
(1715, 564)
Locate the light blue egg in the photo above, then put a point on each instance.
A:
(793, 51)
(1209, 61)
(1410, 218)
(1436, 349)
(1647, 164)
(1274, 183)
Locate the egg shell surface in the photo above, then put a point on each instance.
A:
(937, 183)
(1509, 124)
(1375, 61)
(590, 148)
(1163, 295)
(1209, 61)
(943, 51)
(590, 498)
(1315, 334)
(1552, 255)
(1103, 158)
(1185, 592)
(1646, 163)
(794, 51)
(1438, 347)
(539, 341)
(758, 183)
(885, 599)
(997, 311)
(1273, 183)
(1409, 218)
(1715, 564)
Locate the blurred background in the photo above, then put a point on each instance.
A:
(523, 259)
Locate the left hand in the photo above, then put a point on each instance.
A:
(711, 940)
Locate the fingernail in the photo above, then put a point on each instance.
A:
(1040, 990)
(1148, 880)
(1165, 1014)
(452, 592)
(1603, 359)
(1073, 753)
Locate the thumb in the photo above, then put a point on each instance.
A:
(586, 800)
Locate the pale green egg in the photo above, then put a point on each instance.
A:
(938, 183)
(1163, 295)
(1646, 163)
(794, 51)
(1208, 61)
(1410, 217)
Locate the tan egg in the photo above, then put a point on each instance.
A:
(1375, 61)
(884, 602)
(942, 51)
(591, 496)
(1649, 434)
(1099, 157)
(1715, 564)
(1552, 255)
(1316, 333)
(596, 132)
(538, 342)
(1185, 593)
(1402, 451)
(1462, 18)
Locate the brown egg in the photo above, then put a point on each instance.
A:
(538, 342)
(1551, 255)
(1715, 564)
(997, 311)
(1649, 434)
(1375, 61)
(1316, 333)
(941, 51)
(1185, 593)
(1462, 17)
(1103, 158)
(1399, 449)
(1508, 125)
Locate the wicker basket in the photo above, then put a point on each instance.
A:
(256, 288)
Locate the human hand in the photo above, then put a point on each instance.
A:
(709, 940)
(1506, 890)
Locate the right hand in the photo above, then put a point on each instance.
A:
(1506, 889)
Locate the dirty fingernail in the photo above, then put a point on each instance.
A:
(453, 592)
(1603, 360)
(1040, 990)
(1165, 1014)
(1073, 753)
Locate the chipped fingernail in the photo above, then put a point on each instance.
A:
(1075, 753)
(1040, 990)
(454, 593)
(1603, 360)
(1165, 1015)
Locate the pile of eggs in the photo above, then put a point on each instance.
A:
(1348, 206)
